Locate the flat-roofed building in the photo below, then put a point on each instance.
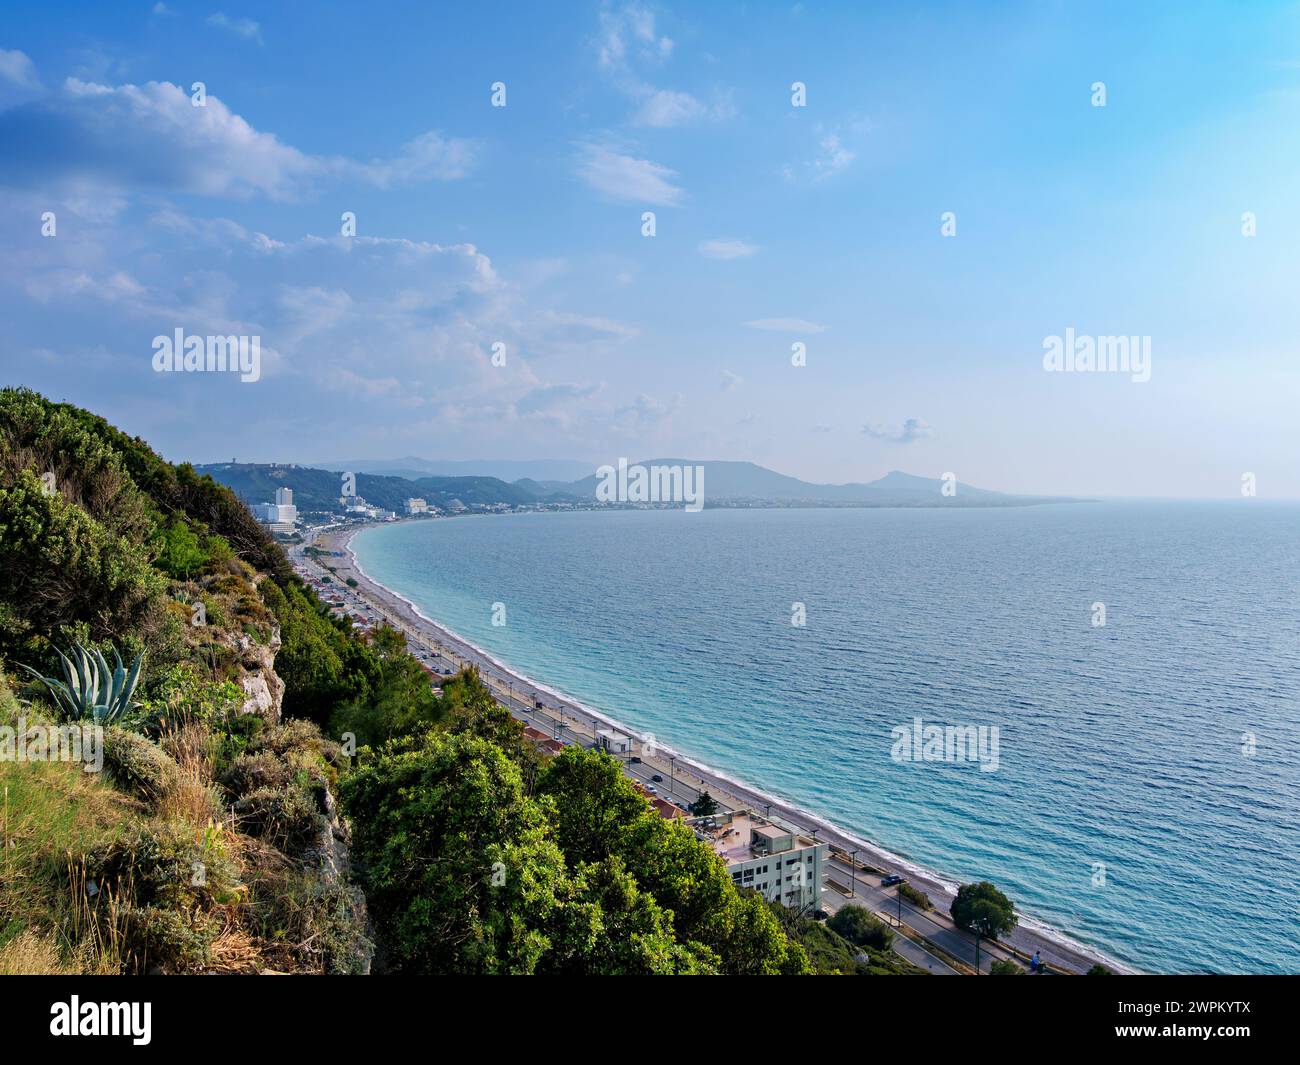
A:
(781, 865)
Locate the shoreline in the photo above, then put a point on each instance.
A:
(1056, 947)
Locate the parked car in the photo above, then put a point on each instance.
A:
(634, 760)
(892, 879)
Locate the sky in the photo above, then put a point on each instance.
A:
(954, 185)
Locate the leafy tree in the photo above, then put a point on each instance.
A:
(180, 553)
(321, 663)
(595, 802)
(610, 927)
(403, 702)
(686, 877)
(459, 868)
(704, 806)
(471, 710)
(860, 926)
(982, 909)
(60, 567)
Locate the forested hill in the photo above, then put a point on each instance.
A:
(331, 798)
(315, 489)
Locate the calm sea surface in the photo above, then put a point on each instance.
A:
(1124, 744)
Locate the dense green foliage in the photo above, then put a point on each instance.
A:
(472, 874)
(981, 908)
(860, 926)
(480, 855)
(915, 896)
(319, 490)
(402, 702)
(705, 806)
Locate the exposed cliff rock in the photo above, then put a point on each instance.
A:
(260, 682)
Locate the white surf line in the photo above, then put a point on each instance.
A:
(750, 795)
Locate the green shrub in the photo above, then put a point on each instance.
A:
(136, 765)
(174, 866)
(1005, 967)
(156, 937)
(861, 927)
(916, 897)
(286, 817)
(251, 772)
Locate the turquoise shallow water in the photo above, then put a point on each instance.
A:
(1120, 745)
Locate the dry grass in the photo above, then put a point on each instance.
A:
(32, 954)
(195, 799)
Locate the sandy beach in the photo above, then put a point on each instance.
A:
(574, 722)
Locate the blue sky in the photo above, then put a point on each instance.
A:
(774, 225)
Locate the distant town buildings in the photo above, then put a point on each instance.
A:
(779, 864)
(415, 506)
(280, 516)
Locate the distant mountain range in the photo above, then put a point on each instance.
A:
(412, 468)
(729, 483)
(745, 481)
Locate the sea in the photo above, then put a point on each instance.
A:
(1133, 666)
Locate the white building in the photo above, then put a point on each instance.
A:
(779, 864)
(281, 515)
(613, 742)
(416, 506)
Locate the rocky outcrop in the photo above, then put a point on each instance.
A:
(264, 688)
(331, 854)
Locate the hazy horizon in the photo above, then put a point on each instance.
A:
(927, 201)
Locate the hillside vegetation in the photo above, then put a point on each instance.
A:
(281, 795)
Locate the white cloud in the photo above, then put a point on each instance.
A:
(787, 325)
(626, 179)
(911, 429)
(242, 27)
(668, 107)
(731, 381)
(564, 327)
(626, 43)
(835, 153)
(628, 32)
(834, 156)
(726, 248)
(645, 411)
(152, 136)
(18, 70)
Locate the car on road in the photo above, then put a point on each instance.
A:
(657, 779)
(634, 760)
(892, 879)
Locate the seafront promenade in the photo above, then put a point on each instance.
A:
(927, 938)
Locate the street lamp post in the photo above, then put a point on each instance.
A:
(853, 865)
(900, 907)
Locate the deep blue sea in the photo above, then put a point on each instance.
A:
(1128, 744)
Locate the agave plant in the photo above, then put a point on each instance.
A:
(90, 690)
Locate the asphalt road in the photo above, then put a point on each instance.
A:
(684, 788)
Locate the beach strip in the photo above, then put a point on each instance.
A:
(572, 721)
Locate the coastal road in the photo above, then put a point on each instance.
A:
(679, 783)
